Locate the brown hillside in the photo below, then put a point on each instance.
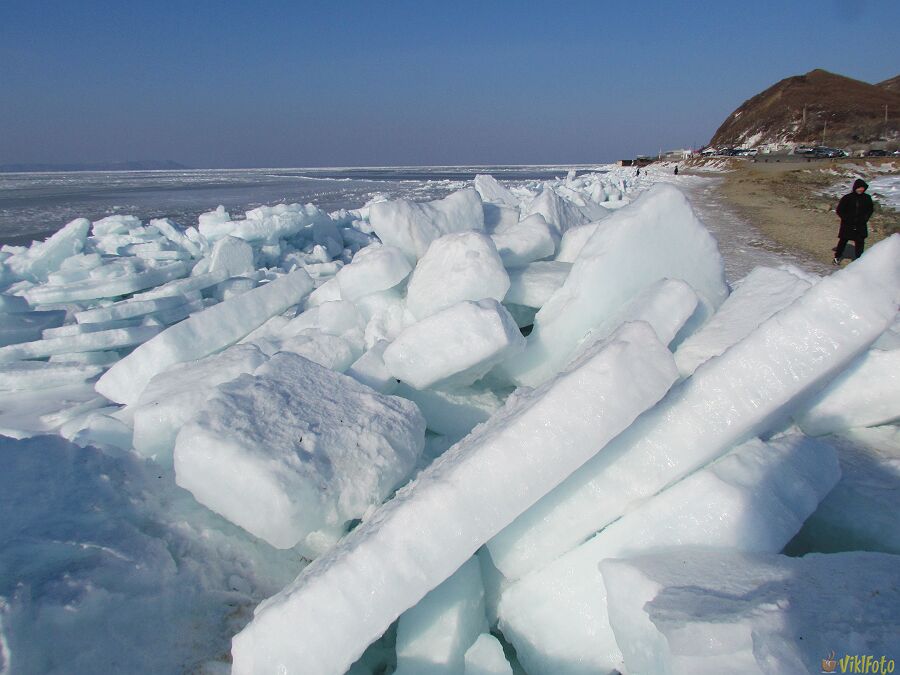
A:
(892, 84)
(839, 111)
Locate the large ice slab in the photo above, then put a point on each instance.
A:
(453, 412)
(128, 309)
(412, 226)
(45, 257)
(29, 375)
(80, 342)
(175, 395)
(759, 295)
(294, 452)
(433, 636)
(492, 191)
(526, 241)
(533, 284)
(374, 268)
(454, 347)
(28, 326)
(656, 237)
(348, 597)
(864, 395)
(748, 390)
(202, 334)
(456, 267)
(694, 610)
(755, 498)
(862, 512)
(557, 212)
(92, 289)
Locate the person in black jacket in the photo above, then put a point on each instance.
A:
(854, 210)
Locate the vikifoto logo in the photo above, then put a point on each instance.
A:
(858, 663)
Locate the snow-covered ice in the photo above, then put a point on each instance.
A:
(295, 452)
(226, 340)
(694, 610)
(350, 595)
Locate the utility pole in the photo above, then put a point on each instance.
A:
(804, 116)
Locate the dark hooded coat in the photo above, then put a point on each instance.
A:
(854, 211)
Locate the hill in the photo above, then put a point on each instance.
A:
(816, 108)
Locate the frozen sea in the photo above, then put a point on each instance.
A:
(35, 205)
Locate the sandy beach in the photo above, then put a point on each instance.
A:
(793, 204)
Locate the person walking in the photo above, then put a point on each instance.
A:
(676, 169)
(854, 210)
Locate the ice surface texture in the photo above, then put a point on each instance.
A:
(350, 595)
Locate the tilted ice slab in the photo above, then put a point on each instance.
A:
(202, 334)
(745, 392)
(695, 611)
(453, 412)
(454, 347)
(433, 636)
(574, 240)
(28, 326)
(374, 268)
(456, 267)
(759, 295)
(348, 597)
(81, 342)
(864, 395)
(40, 259)
(294, 452)
(492, 191)
(29, 375)
(526, 241)
(755, 498)
(534, 284)
(175, 395)
(93, 289)
(559, 213)
(656, 237)
(128, 309)
(412, 226)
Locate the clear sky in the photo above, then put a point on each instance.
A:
(341, 83)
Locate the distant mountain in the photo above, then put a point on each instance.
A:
(145, 165)
(892, 84)
(816, 108)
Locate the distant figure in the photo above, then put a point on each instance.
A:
(854, 210)
(638, 172)
(676, 169)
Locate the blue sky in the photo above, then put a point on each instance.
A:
(240, 84)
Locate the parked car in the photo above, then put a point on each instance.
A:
(804, 150)
(877, 153)
(825, 151)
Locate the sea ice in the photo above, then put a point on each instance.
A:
(758, 296)
(349, 596)
(374, 268)
(492, 191)
(453, 412)
(202, 334)
(454, 347)
(175, 395)
(28, 326)
(41, 258)
(864, 395)
(412, 226)
(746, 391)
(369, 369)
(533, 284)
(434, 635)
(695, 610)
(574, 240)
(233, 256)
(755, 498)
(294, 452)
(456, 267)
(82, 342)
(486, 657)
(27, 375)
(656, 237)
(526, 241)
(862, 512)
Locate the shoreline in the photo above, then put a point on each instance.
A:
(794, 204)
